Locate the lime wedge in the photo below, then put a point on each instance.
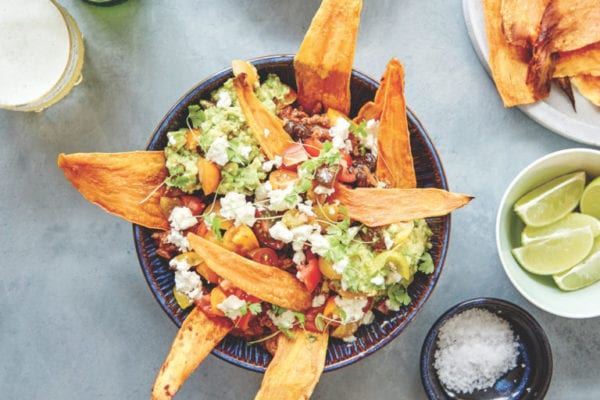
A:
(572, 221)
(583, 274)
(551, 201)
(557, 253)
(590, 201)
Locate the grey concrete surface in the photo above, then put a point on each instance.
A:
(76, 318)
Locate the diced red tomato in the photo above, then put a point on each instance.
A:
(313, 146)
(264, 255)
(344, 175)
(195, 205)
(309, 273)
(294, 155)
(203, 303)
(243, 322)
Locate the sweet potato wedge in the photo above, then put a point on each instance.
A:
(323, 65)
(589, 87)
(269, 284)
(521, 21)
(120, 182)
(567, 25)
(394, 161)
(195, 339)
(509, 69)
(379, 207)
(296, 368)
(244, 67)
(266, 126)
(584, 61)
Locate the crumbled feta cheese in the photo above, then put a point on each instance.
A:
(339, 134)
(179, 264)
(389, 243)
(172, 140)
(283, 199)
(176, 237)
(393, 277)
(188, 283)
(217, 152)
(301, 235)
(319, 244)
(224, 99)
(381, 185)
(378, 280)
(266, 132)
(352, 308)
(181, 218)
(262, 191)
(235, 207)
(340, 266)
(306, 208)
(281, 232)
(232, 306)
(268, 165)
(318, 300)
(299, 257)
(245, 151)
(368, 318)
(284, 321)
(370, 142)
(349, 339)
(323, 190)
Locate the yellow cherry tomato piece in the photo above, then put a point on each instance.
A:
(217, 296)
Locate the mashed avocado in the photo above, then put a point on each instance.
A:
(386, 273)
(222, 117)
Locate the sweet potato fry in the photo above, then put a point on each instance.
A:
(120, 182)
(266, 126)
(509, 70)
(369, 110)
(521, 21)
(584, 61)
(296, 368)
(195, 339)
(589, 87)
(567, 25)
(269, 284)
(324, 61)
(394, 160)
(378, 207)
(244, 67)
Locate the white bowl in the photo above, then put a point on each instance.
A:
(541, 290)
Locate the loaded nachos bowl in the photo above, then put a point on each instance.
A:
(289, 212)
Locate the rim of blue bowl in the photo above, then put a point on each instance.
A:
(429, 344)
(166, 121)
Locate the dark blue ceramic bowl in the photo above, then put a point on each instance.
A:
(370, 338)
(528, 381)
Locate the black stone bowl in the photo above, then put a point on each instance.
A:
(529, 380)
(430, 173)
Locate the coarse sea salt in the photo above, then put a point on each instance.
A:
(474, 349)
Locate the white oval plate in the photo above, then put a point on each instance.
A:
(554, 112)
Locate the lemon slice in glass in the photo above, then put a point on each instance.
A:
(590, 201)
(551, 201)
(556, 254)
(572, 221)
(583, 274)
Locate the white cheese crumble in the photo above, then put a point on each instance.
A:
(179, 264)
(283, 199)
(232, 306)
(188, 283)
(224, 99)
(181, 218)
(340, 266)
(299, 257)
(352, 308)
(393, 277)
(378, 280)
(475, 349)
(176, 237)
(245, 151)
(349, 339)
(262, 191)
(301, 234)
(370, 141)
(323, 190)
(339, 134)
(318, 300)
(217, 152)
(306, 208)
(389, 242)
(281, 232)
(235, 207)
(381, 185)
(319, 244)
(284, 321)
(276, 162)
